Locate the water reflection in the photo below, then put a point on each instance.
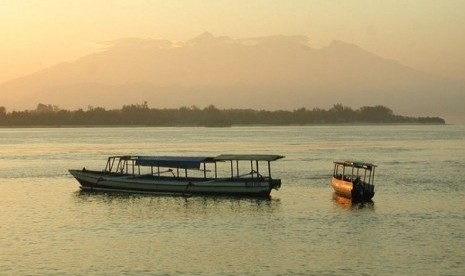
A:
(348, 204)
(190, 203)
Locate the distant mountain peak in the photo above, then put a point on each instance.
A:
(276, 71)
(134, 42)
(208, 39)
(276, 40)
(338, 48)
(205, 35)
(340, 45)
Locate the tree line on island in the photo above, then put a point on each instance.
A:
(210, 116)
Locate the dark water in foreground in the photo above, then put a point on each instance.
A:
(415, 225)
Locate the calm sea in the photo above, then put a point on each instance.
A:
(415, 225)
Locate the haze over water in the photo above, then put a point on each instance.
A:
(271, 54)
(415, 225)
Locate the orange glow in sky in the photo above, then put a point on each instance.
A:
(426, 35)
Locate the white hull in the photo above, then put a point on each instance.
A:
(92, 180)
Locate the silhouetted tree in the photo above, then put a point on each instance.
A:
(46, 108)
(141, 114)
(376, 113)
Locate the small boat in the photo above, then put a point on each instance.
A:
(220, 175)
(354, 180)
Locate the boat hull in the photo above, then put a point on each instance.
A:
(94, 180)
(364, 192)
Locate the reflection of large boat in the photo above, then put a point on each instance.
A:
(185, 175)
(354, 180)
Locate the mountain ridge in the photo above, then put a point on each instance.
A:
(265, 72)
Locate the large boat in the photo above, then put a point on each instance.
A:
(220, 175)
(354, 180)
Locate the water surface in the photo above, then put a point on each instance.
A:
(415, 224)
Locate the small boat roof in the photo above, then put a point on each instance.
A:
(356, 164)
(251, 157)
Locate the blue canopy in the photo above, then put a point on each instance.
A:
(172, 161)
(251, 157)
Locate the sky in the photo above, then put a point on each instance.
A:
(428, 35)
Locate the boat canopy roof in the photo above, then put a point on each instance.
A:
(172, 161)
(356, 164)
(185, 162)
(251, 157)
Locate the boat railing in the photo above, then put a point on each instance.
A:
(352, 178)
(252, 174)
(131, 165)
(344, 177)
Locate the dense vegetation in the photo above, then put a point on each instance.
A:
(141, 114)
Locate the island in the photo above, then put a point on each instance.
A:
(210, 116)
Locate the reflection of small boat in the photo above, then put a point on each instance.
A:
(184, 175)
(343, 201)
(350, 204)
(354, 180)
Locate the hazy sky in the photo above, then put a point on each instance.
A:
(424, 34)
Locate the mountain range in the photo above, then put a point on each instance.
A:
(272, 72)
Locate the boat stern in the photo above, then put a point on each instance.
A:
(275, 184)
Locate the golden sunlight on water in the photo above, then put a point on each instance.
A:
(414, 224)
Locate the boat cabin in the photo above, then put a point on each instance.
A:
(234, 166)
(350, 171)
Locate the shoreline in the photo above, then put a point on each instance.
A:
(229, 126)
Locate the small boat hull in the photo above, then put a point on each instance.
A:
(95, 180)
(359, 192)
